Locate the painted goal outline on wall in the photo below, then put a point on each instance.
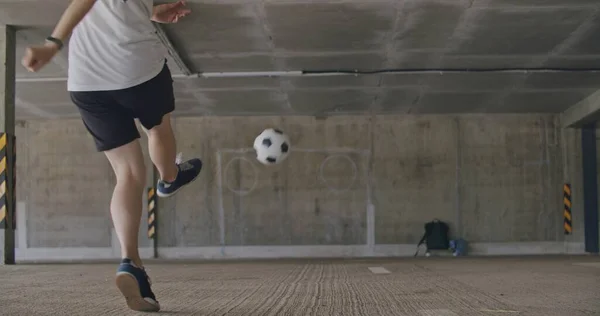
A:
(333, 153)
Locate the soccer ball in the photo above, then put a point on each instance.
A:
(272, 146)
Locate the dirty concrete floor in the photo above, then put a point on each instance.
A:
(543, 286)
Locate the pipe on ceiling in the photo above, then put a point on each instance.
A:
(334, 72)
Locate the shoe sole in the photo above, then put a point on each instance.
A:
(130, 289)
(181, 187)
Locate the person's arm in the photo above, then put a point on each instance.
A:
(169, 12)
(155, 9)
(37, 56)
(71, 17)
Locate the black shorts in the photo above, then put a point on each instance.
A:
(110, 116)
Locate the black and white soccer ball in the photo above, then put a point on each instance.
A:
(272, 146)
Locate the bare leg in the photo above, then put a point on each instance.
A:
(126, 210)
(126, 204)
(163, 149)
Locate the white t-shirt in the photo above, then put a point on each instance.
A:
(115, 47)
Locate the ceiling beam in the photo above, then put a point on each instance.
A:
(164, 38)
(264, 28)
(584, 112)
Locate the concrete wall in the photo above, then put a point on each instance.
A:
(65, 185)
(494, 179)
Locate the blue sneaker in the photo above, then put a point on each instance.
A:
(134, 283)
(187, 173)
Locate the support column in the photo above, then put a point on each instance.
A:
(7, 129)
(590, 188)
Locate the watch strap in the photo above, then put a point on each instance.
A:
(55, 41)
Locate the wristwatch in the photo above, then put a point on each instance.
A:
(56, 41)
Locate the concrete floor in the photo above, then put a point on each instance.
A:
(543, 286)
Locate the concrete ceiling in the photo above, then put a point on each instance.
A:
(289, 35)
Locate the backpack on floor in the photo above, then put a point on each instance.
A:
(436, 236)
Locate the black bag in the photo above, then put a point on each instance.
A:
(436, 236)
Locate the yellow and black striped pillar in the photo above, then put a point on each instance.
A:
(567, 209)
(151, 213)
(8, 194)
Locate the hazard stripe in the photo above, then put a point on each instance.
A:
(151, 213)
(567, 189)
(567, 218)
(3, 201)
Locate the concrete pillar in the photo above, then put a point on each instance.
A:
(590, 188)
(7, 125)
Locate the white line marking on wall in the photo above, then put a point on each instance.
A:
(328, 151)
(437, 312)
(379, 270)
(221, 209)
(240, 192)
(328, 185)
(370, 224)
(22, 225)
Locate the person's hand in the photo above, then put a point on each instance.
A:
(37, 57)
(170, 12)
